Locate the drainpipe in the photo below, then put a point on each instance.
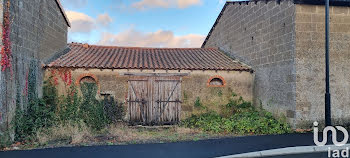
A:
(328, 120)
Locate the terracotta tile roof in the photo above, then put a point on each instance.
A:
(111, 57)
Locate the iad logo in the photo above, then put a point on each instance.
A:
(334, 135)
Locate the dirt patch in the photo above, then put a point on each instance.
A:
(115, 134)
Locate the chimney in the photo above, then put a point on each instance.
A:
(85, 45)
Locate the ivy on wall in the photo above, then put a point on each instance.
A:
(32, 81)
(25, 90)
(63, 73)
(6, 46)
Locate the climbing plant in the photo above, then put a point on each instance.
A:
(6, 42)
(32, 81)
(64, 74)
(94, 114)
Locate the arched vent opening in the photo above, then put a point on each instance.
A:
(88, 79)
(216, 82)
(89, 87)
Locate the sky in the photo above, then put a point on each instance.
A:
(141, 23)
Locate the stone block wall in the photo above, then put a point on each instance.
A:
(261, 34)
(38, 31)
(310, 63)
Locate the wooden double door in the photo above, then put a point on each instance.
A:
(154, 100)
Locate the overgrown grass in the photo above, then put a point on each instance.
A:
(78, 134)
(68, 114)
(239, 117)
(70, 132)
(5, 139)
(71, 119)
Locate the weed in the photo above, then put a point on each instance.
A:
(220, 93)
(5, 139)
(239, 117)
(110, 143)
(71, 131)
(69, 112)
(115, 111)
(198, 103)
(185, 96)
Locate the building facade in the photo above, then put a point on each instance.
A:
(283, 40)
(38, 30)
(156, 85)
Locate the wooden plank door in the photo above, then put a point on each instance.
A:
(138, 95)
(167, 94)
(154, 100)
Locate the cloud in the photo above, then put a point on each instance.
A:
(83, 23)
(187, 3)
(104, 19)
(160, 38)
(75, 3)
(80, 22)
(146, 4)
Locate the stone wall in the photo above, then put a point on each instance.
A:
(38, 30)
(262, 35)
(193, 86)
(310, 59)
(213, 98)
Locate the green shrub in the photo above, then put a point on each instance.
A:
(69, 106)
(93, 112)
(50, 94)
(210, 121)
(38, 115)
(53, 110)
(5, 139)
(239, 117)
(115, 111)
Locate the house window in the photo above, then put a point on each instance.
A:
(216, 81)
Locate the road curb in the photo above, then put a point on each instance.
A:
(288, 151)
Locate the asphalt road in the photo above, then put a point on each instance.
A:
(193, 149)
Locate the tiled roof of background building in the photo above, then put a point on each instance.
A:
(111, 57)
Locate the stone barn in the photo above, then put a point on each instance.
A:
(157, 85)
(283, 41)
